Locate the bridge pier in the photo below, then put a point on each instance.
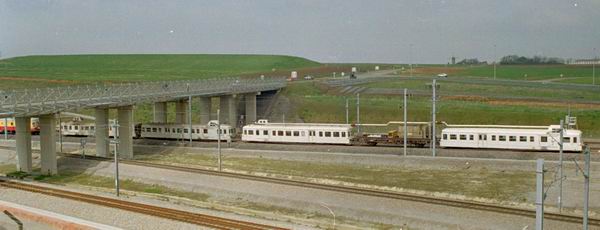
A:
(250, 100)
(125, 145)
(160, 112)
(102, 141)
(181, 115)
(23, 142)
(205, 110)
(228, 110)
(48, 144)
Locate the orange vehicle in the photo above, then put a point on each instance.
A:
(10, 125)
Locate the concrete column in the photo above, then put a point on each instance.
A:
(102, 142)
(23, 132)
(205, 106)
(160, 112)
(125, 115)
(48, 144)
(181, 116)
(224, 102)
(250, 99)
(233, 111)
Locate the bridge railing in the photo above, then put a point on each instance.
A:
(25, 102)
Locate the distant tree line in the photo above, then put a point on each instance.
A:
(471, 61)
(535, 60)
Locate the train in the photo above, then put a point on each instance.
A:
(533, 138)
(8, 125)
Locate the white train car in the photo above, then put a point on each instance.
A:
(263, 131)
(547, 139)
(81, 129)
(182, 131)
(77, 129)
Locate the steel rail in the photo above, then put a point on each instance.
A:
(168, 213)
(362, 191)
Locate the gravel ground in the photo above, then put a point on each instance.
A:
(99, 214)
(363, 208)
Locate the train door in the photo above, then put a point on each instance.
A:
(481, 139)
(311, 136)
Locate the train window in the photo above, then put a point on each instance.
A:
(501, 138)
(197, 130)
(544, 139)
(471, 137)
(279, 133)
(245, 132)
(327, 134)
(311, 133)
(296, 133)
(178, 130)
(154, 130)
(336, 134)
(452, 136)
(566, 139)
(574, 139)
(205, 131)
(445, 136)
(185, 130)
(256, 132)
(512, 138)
(160, 130)
(320, 133)
(193, 130)
(224, 131)
(343, 134)
(76, 127)
(288, 133)
(531, 139)
(522, 138)
(493, 137)
(66, 127)
(463, 137)
(250, 132)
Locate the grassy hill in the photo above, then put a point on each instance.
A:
(39, 71)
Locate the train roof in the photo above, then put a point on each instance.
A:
(303, 125)
(510, 130)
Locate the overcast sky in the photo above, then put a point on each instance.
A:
(326, 31)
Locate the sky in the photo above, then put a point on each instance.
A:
(388, 31)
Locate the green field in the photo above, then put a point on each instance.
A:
(311, 103)
(40, 71)
(314, 105)
(530, 72)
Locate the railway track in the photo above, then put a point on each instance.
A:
(173, 214)
(363, 191)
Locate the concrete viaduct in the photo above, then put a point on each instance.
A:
(48, 102)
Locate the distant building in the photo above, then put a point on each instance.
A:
(586, 62)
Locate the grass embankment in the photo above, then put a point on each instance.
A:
(505, 186)
(530, 72)
(43, 71)
(314, 105)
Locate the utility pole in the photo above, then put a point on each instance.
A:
(560, 165)
(539, 195)
(594, 68)
(116, 142)
(433, 138)
(190, 116)
(219, 138)
(586, 191)
(411, 61)
(405, 120)
(358, 111)
(5, 128)
(60, 136)
(347, 121)
(495, 61)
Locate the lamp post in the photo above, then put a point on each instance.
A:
(495, 61)
(405, 120)
(219, 138)
(594, 68)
